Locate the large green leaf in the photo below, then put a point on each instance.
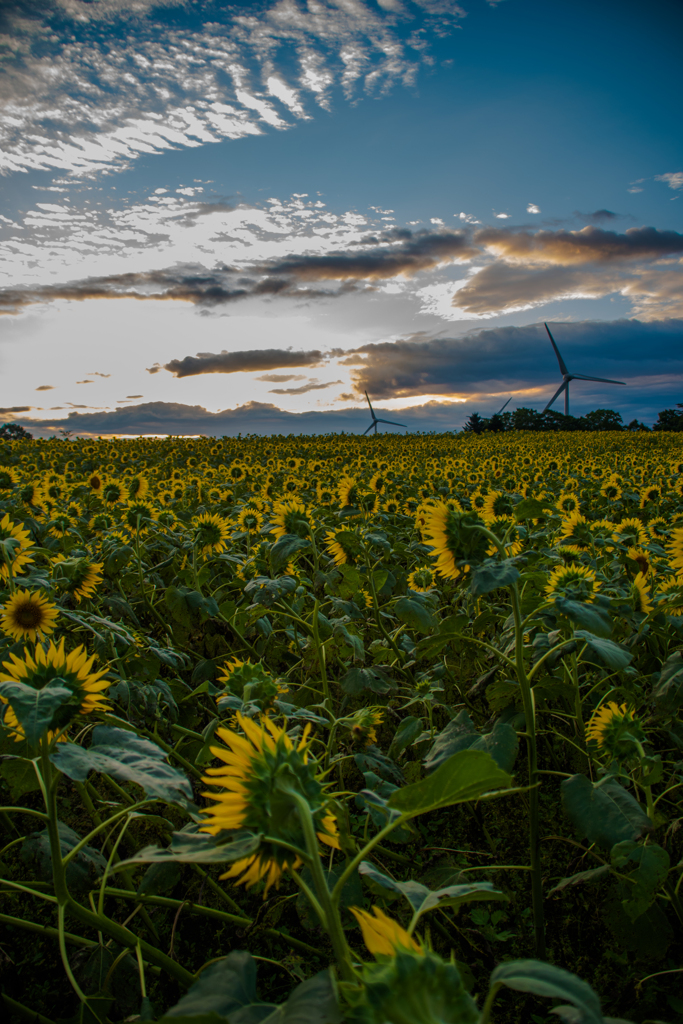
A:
(285, 548)
(668, 693)
(502, 743)
(189, 607)
(552, 982)
(422, 899)
(126, 756)
(82, 871)
(41, 710)
(651, 871)
(529, 508)
(492, 574)
(195, 848)
(604, 813)
(408, 730)
(372, 677)
(464, 776)
(612, 654)
(226, 992)
(416, 612)
(20, 775)
(590, 616)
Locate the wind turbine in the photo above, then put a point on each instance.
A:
(567, 376)
(503, 407)
(375, 421)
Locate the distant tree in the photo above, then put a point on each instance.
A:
(635, 425)
(553, 420)
(527, 419)
(496, 423)
(669, 419)
(14, 432)
(602, 419)
(475, 424)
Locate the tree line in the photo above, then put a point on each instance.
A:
(599, 419)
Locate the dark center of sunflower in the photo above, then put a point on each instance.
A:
(29, 615)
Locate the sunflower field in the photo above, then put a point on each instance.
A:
(308, 730)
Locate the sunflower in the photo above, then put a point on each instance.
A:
(641, 558)
(496, 504)
(422, 580)
(139, 516)
(568, 503)
(649, 494)
(576, 582)
(613, 727)
(290, 517)
(250, 520)
(347, 491)
(392, 507)
(113, 492)
(326, 495)
(363, 724)
(76, 576)
(101, 522)
(631, 532)
(138, 488)
(96, 482)
(31, 495)
(250, 796)
(16, 555)
(341, 546)
(658, 529)
(675, 548)
(60, 526)
(611, 490)
(28, 614)
(8, 478)
(382, 935)
(672, 591)
(51, 665)
(641, 595)
(576, 533)
(500, 525)
(454, 538)
(211, 533)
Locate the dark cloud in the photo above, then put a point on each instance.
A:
(504, 286)
(281, 378)
(517, 358)
(239, 362)
(597, 216)
(413, 252)
(303, 389)
(45, 387)
(15, 408)
(589, 245)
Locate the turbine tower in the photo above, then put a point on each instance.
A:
(567, 376)
(375, 421)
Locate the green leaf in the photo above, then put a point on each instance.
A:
(668, 693)
(416, 612)
(82, 871)
(189, 607)
(614, 655)
(160, 877)
(263, 590)
(422, 899)
(117, 559)
(222, 990)
(464, 776)
(529, 508)
(20, 776)
(591, 616)
(605, 813)
(408, 730)
(493, 574)
(284, 549)
(312, 1002)
(195, 848)
(128, 757)
(653, 867)
(39, 711)
(372, 678)
(552, 982)
(460, 734)
(591, 875)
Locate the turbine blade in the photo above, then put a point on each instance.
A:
(563, 368)
(506, 404)
(369, 428)
(391, 423)
(372, 411)
(563, 385)
(600, 380)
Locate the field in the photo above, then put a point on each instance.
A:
(308, 729)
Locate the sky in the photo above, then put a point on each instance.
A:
(221, 218)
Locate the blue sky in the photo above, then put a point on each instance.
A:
(219, 217)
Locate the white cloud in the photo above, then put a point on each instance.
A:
(502, 216)
(674, 179)
(532, 208)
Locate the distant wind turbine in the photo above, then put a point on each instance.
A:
(567, 376)
(375, 421)
(503, 407)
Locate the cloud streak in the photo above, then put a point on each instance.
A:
(243, 362)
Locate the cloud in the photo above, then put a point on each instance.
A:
(589, 245)
(504, 359)
(532, 208)
(673, 179)
(303, 389)
(281, 378)
(92, 86)
(597, 215)
(45, 387)
(15, 408)
(241, 362)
